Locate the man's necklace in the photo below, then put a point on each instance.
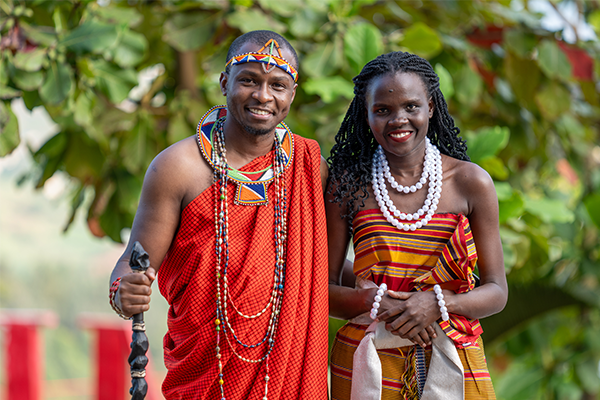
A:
(275, 301)
(432, 170)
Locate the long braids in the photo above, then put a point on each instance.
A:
(352, 155)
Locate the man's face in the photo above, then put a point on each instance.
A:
(256, 101)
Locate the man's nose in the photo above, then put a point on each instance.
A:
(263, 93)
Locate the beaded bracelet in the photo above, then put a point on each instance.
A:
(112, 293)
(380, 293)
(440, 296)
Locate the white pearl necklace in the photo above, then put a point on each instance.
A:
(432, 168)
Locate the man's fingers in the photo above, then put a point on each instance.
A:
(151, 274)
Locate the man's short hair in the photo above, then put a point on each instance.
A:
(259, 38)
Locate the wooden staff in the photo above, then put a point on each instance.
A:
(139, 262)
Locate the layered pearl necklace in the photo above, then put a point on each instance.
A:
(432, 170)
(275, 301)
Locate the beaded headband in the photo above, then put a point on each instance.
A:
(268, 61)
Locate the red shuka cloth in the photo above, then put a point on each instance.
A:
(187, 279)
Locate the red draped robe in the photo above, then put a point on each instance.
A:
(187, 279)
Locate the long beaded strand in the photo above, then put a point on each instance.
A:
(222, 252)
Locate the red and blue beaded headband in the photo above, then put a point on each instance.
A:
(268, 61)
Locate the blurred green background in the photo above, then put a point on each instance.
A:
(91, 91)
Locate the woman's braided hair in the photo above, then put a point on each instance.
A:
(352, 154)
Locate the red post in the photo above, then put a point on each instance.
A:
(111, 349)
(24, 351)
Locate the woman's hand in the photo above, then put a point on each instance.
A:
(412, 317)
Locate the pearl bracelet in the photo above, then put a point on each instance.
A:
(380, 293)
(440, 296)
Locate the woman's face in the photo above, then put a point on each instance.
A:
(398, 112)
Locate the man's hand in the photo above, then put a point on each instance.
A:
(133, 296)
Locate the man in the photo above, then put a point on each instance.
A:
(233, 221)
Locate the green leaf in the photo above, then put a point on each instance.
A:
(253, 19)
(7, 93)
(187, 32)
(119, 15)
(58, 83)
(131, 50)
(284, 8)
(9, 130)
(178, 128)
(553, 61)
(330, 88)
(28, 80)
(30, 61)
(82, 114)
(592, 204)
(32, 99)
(4, 72)
(469, 86)
(495, 167)
(112, 219)
(503, 190)
(306, 23)
(553, 101)
(594, 20)
(83, 159)
(521, 43)
(324, 59)
(136, 149)
(422, 40)
(523, 76)
(50, 156)
(362, 43)
(512, 207)
(446, 83)
(91, 36)
(42, 35)
(487, 142)
(113, 81)
(129, 188)
(549, 210)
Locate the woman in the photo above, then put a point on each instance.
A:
(396, 149)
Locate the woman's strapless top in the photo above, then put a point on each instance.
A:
(442, 252)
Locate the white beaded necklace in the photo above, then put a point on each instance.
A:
(432, 169)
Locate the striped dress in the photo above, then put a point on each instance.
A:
(443, 252)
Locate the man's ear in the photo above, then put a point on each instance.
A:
(223, 82)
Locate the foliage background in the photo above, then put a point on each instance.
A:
(123, 80)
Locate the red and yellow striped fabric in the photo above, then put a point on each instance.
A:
(478, 384)
(443, 252)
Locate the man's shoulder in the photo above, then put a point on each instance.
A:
(306, 143)
(180, 159)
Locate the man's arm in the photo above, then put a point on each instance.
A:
(164, 193)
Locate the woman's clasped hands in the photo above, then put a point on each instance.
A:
(410, 315)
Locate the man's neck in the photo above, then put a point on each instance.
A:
(243, 147)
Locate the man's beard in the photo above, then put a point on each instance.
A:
(256, 131)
